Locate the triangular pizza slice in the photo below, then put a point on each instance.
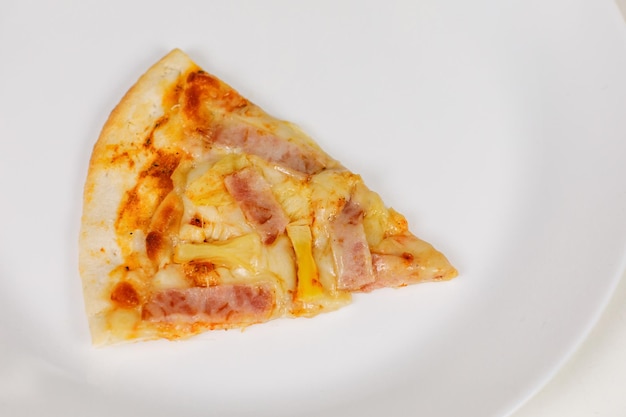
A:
(201, 211)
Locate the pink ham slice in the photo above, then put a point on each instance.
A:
(350, 249)
(393, 271)
(408, 260)
(270, 147)
(221, 304)
(254, 196)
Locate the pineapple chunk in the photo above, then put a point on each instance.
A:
(308, 284)
(379, 221)
(238, 252)
(333, 187)
(281, 262)
(209, 189)
(294, 196)
(309, 290)
(180, 175)
(375, 216)
(123, 322)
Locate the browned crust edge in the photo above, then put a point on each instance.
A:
(107, 183)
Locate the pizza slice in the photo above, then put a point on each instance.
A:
(201, 212)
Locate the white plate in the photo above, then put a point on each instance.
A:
(497, 128)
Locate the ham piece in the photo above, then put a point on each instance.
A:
(220, 304)
(269, 147)
(407, 260)
(254, 196)
(350, 249)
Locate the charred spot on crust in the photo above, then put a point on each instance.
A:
(408, 256)
(196, 221)
(162, 167)
(192, 100)
(202, 88)
(155, 242)
(124, 295)
(203, 78)
(201, 273)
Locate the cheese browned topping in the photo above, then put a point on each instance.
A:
(203, 212)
